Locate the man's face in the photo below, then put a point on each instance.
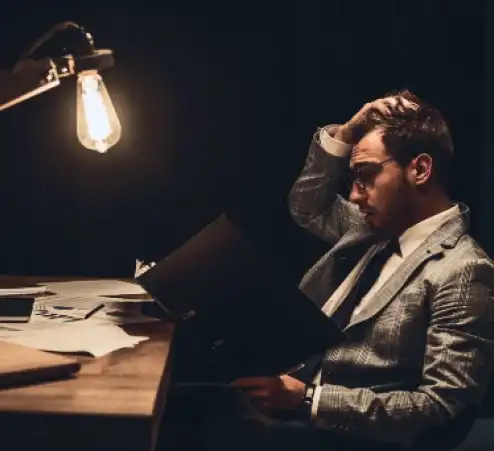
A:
(380, 187)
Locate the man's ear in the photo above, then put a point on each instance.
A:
(421, 169)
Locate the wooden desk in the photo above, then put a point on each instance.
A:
(114, 403)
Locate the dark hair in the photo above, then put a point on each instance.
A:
(408, 133)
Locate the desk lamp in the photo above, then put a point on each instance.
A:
(98, 127)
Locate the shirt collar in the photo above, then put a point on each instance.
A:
(414, 236)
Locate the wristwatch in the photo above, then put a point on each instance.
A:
(305, 406)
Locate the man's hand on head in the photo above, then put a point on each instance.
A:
(386, 106)
(272, 394)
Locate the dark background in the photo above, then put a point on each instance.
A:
(218, 102)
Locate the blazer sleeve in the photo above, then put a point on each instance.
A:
(458, 364)
(313, 200)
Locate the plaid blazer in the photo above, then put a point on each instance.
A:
(422, 352)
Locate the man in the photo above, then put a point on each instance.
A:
(420, 322)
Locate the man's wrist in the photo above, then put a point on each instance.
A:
(305, 405)
(343, 134)
(331, 145)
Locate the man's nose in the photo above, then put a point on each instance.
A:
(357, 195)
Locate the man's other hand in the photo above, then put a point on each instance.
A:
(272, 394)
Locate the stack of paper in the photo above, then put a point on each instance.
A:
(88, 336)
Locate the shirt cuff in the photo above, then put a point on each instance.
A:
(332, 146)
(315, 402)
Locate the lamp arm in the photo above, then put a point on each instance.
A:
(31, 76)
(49, 35)
(15, 88)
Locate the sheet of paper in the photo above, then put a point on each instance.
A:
(63, 307)
(122, 314)
(88, 336)
(142, 267)
(12, 329)
(91, 288)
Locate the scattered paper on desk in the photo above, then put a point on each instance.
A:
(116, 314)
(123, 314)
(62, 309)
(57, 323)
(87, 336)
(91, 288)
(12, 329)
(78, 302)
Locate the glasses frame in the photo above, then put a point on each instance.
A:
(356, 179)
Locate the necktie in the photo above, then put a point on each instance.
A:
(368, 277)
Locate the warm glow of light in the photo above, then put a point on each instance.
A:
(98, 127)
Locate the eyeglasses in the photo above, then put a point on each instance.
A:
(364, 174)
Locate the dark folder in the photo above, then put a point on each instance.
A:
(252, 319)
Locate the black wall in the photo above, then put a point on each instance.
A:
(218, 103)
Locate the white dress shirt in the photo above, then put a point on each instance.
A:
(410, 240)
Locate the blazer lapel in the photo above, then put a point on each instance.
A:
(445, 237)
(320, 281)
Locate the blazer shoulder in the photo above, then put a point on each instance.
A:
(469, 249)
(467, 257)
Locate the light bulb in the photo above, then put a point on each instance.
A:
(98, 127)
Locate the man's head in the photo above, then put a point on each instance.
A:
(400, 162)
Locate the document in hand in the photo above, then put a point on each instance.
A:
(252, 320)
